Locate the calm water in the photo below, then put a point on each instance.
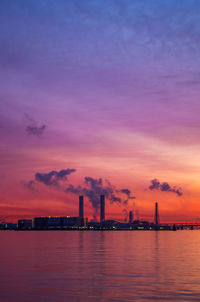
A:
(99, 266)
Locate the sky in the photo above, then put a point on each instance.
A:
(100, 96)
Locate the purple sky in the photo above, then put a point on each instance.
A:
(110, 88)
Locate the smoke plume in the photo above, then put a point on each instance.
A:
(93, 188)
(164, 187)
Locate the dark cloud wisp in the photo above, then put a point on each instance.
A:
(127, 192)
(53, 177)
(35, 130)
(30, 185)
(164, 187)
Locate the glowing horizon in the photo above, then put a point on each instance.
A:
(108, 89)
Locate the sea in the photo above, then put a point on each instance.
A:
(99, 266)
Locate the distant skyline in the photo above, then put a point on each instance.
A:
(100, 96)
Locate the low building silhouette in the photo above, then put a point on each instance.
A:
(11, 226)
(58, 223)
(40, 223)
(24, 224)
(54, 223)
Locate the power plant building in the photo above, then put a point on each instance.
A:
(24, 224)
(53, 223)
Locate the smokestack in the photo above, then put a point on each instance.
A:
(102, 208)
(130, 217)
(156, 220)
(81, 207)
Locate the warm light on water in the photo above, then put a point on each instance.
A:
(99, 266)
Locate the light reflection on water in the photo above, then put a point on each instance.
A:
(99, 266)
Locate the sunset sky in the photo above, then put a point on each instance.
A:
(105, 90)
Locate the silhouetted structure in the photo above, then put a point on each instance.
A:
(40, 223)
(81, 214)
(2, 226)
(67, 222)
(54, 222)
(8, 226)
(174, 227)
(58, 223)
(81, 223)
(102, 208)
(24, 224)
(156, 219)
(130, 217)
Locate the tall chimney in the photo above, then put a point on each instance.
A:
(130, 217)
(102, 208)
(81, 215)
(156, 220)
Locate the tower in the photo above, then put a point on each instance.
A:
(130, 217)
(102, 208)
(156, 218)
(81, 215)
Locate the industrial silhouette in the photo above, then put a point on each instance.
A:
(81, 223)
